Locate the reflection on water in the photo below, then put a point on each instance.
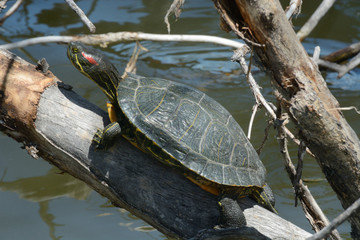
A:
(42, 189)
(35, 197)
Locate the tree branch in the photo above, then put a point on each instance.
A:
(315, 18)
(13, 8)
(82, 15)
(108, 38)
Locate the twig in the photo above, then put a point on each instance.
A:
(238, 57)
(174, 8)
(104, 39)
(353, 63)
(314, 19)
(316, 54)
(293, 9)
(299, 168)
(82, 15)
(336, 222)
(255, 108)
(341, 69)
(330, 65)
(349, 108)
(266, 134)
(312, 210)
(11, 11)
(131, 65)
(3, 4)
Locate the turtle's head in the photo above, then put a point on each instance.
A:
(95, 66)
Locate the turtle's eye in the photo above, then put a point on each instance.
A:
(75, 50)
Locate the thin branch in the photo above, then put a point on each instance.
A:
(255, 108)
(336, 222)
(299, 169)
(3, 4)
(293, 9)
(238, 57)
(316, 54)
(11, 11)
(266, 135)
(314, 19)
(353, 63)
(107, 38)
(341, 69)
(174, 8)
(131, 65)
(82, 15)
(349, 108)
(312, 210)
(330, 65)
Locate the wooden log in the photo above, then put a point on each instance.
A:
(343, 54)
(58, 125)
(302, 93)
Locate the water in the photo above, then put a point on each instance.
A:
(39, 202)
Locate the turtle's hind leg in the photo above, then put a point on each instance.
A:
(231, 215)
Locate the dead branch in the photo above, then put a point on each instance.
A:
(293, 9)
(312, 211)
(107, 38)
(174, 8)
(13, 8)
(325, 232)
(314, 19)
(82, 15)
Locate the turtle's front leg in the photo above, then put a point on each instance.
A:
(104, 138)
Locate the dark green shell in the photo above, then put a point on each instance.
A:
(186, 129)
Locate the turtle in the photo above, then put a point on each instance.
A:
(180, 126)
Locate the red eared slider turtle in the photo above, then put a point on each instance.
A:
(179, 125)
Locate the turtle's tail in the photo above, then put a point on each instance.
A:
(265, 198)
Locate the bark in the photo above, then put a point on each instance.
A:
(56, 124)
(302, 93)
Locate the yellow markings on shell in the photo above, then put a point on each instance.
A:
(162, 99)
(243, 163)
(155, 82)
(192, 124)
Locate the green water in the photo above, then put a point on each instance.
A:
(37, 201)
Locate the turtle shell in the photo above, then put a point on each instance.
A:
(187, 129)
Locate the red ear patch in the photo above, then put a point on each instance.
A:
(90, 59)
